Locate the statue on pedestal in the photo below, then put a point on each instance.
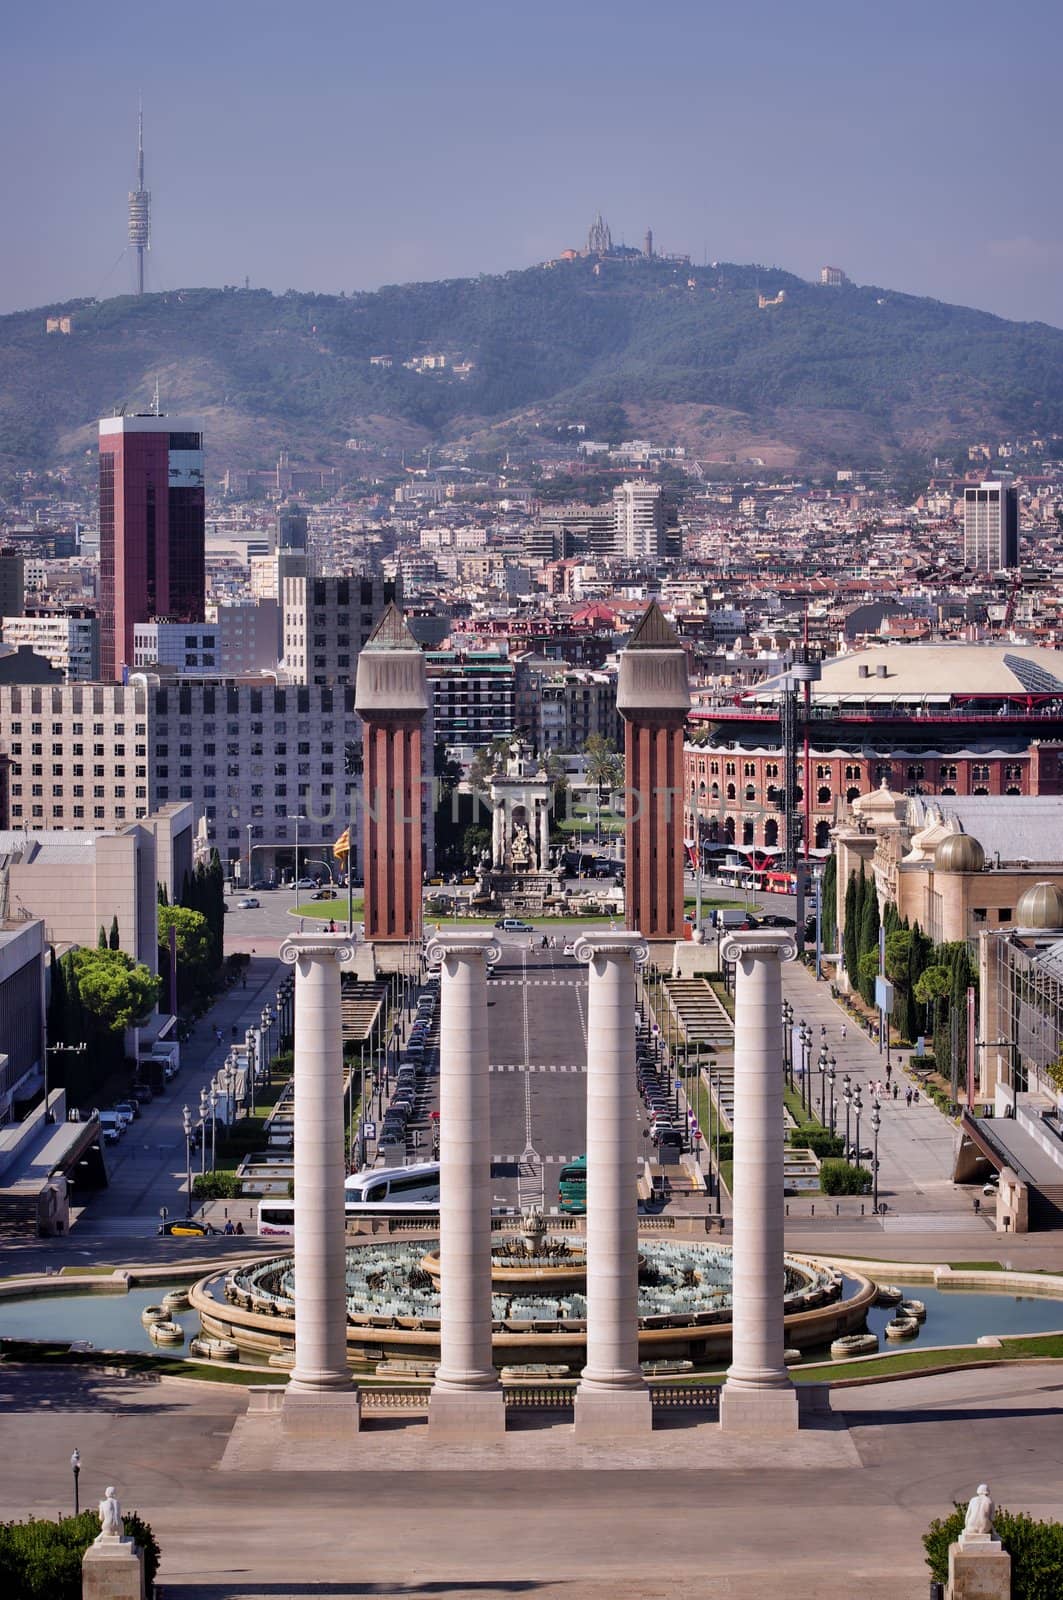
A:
(520, 850)
(978, 1523)
(111, 1526)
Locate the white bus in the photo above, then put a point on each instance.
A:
(276, 1218)
(393, 1191)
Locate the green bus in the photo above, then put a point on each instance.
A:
(572, 1188)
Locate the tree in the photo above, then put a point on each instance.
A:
(101, 939)
(193, 934)
(605, 767)
(850, 939)
(868, 938)
(482, 764)
(118, 991)
(114, 941)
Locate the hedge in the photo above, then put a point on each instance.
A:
(1035, 1548)
(41, 1560)
(838, 1177)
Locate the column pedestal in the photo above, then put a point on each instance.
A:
(466, 1402)
(979, 1569)
(759, 1396)
(613, 1400)
(319, 1397)
(113, 1570)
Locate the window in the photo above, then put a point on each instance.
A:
(1003, 913)
(978, 914)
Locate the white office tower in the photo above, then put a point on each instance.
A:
(991, 526)
(639, 520)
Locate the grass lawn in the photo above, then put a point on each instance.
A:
(327, 909)
(87, 1272)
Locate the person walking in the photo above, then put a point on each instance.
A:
(843, 1033)
(908, 1098)
(896, 1090)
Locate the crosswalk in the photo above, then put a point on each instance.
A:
(538, 983)
(516, 1157)
(545, 1066)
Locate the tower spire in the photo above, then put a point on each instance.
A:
(140, 205)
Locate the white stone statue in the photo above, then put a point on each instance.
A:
(110, 1517)
(978, 1523)
(520, 850)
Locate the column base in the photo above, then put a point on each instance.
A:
(613, 1414)
(113, 1571)
(472, 1415)
(322, 1413)
(979, 1570)
(768, 1410)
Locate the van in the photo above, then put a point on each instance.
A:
(111, 1126)
(728, 917)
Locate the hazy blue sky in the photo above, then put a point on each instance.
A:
(342, 144)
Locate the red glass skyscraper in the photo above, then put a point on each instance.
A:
(152, 529)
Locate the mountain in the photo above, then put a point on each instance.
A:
(823, 375)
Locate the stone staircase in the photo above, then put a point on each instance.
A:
(701, 1014)
(359, 1006)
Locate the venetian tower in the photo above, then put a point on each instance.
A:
(654, 698)
(391, 698)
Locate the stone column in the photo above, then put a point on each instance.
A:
(544, 835)
(321, 1379)
(466, 1401)
(612, 1399)
(758, 1396)
(498, 835)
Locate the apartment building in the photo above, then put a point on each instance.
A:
(242, 639)
(326, 621)
(71, 642)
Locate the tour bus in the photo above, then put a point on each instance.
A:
(393, 1191)
(276, 1218)
(572, 1188)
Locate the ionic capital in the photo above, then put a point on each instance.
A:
(462, 944)
(759, 944)
(313, 947)
(590, 945)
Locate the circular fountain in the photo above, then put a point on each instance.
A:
(538, 1301)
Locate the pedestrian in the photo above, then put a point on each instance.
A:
(332, 925)
(889, 1070)
(239, 1229)
(908, 1097)
(896, 1090)
(916, 1097)
(228, 1229)
(843, 1033)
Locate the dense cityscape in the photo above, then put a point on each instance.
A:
(531, 920)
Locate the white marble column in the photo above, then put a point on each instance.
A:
(613, 1399)
(544, 835)
(466, 1401)
(498, 835)
(320, 1377)
(759, 1396)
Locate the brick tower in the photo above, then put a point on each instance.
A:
(654, 698)
(391, 699)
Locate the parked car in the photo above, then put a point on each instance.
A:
(128, 1108)
(249, 902)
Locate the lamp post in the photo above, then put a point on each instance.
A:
(806, 1067)
(822, 1066)
(858, 1106)
(75, 1467)
(213, 1127)
(296, 818)
(229, 1079)
(876, 1123)
(847, 1096)
(788, 1041)
(250, 826)
(204, 1107)
(832, 1072)
(716, 1141)
(187, 1115)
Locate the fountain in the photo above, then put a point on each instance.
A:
(538, 1300)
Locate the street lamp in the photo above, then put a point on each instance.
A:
(229, 1079)
(832, 1072)
(858, 1106)
(213, 1127)
(187, 1115)
(250, 826)
(806, 1067)
(296, 818)
(788, 1041)
(822, 1066)
(847, 1096)
(204, 1107)
(876, 1123)
(75, 1467)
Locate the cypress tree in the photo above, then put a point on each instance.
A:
(101, 938)
(115, 940)
(869, 926)
(849, 934)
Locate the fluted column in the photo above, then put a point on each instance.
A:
(613, 1398)
(466, 1400)
(759, 1396)
(544, 835)
(498, 835)
(320, 1372)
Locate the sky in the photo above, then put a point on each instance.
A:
(341, 144)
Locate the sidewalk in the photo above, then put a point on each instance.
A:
(916, 1144)
(147, 1169)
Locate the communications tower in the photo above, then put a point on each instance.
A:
(140, 207)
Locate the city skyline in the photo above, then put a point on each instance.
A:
(396, 148)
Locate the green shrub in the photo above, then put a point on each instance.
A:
(216, 1186)
(820, 1141)
(41, 1560)
(1036, 1550)
(838, 1177)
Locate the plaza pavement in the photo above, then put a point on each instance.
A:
(834, 1516)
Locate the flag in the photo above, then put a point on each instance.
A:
(342, 848)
